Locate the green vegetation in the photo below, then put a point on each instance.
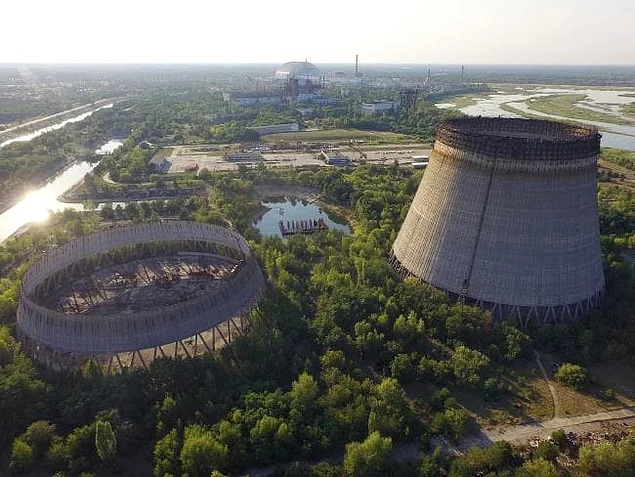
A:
(345, 339)
(628, 109)
(25, 164)
(616, 459)
(463, 101)
(378, 137)
(619, 156)
(565, 105)
(573, 375)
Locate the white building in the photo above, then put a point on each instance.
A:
(378, 107)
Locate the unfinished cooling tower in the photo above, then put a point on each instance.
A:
(506, 217)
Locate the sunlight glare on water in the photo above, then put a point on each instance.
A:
(33, 207)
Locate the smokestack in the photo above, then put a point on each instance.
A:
(356, 65)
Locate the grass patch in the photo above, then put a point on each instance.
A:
(616, 376)
(619, 156)
(628, 109)
(528, 399)
(376, 137)
(565, 105)
(510, 109)
(464, 101)
(573, 403)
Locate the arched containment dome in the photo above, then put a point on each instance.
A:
(506, 215)
(228, 284)
(298, 70)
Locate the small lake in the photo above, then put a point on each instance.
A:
(293, 209)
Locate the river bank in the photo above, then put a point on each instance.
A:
(48, 175)
(75, 196)
(29, 127)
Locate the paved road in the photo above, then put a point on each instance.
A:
(520, 434)
(523, 433)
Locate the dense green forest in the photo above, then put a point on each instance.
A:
(343, 357)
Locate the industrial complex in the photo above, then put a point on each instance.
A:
(506, 217)
(130, 294)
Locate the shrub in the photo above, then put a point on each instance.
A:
(573, 375)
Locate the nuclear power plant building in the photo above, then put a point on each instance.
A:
(506, 217)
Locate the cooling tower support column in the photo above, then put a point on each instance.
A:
(506, 216)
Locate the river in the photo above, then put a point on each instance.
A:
(605, 101)
(37, 205)
(53, 127)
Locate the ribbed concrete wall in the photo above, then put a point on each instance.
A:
(99, 334)
(508, 225)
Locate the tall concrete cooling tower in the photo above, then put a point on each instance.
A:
(506, 217)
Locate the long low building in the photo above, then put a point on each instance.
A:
(276, 128)
(255, 98)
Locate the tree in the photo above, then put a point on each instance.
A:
(105, 442)
(22, 456)
(303, 394)
(39, 436)
(573, 375)
(608, 459)
(402, 368)
(546, 450)
(468, 365)
(166, 455)
(201, 453)
(537, 468)
(369, 458)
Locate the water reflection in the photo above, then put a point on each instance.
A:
(109, 147)
(53, 127)
(36, 205)
(289, 210)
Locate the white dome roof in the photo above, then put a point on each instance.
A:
(302, 70)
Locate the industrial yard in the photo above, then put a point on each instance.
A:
(214, 157)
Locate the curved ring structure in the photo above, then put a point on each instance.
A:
(95, 334)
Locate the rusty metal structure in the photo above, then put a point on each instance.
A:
(128, 336)
(506, 218)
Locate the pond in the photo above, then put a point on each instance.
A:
(292, 211)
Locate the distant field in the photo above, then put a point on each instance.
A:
(565, 105)
(464, 101)
(338, 135)
(628, 109)
(619, 156)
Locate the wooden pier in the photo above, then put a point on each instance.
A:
(293, 227)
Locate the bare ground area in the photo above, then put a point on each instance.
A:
(278, 190)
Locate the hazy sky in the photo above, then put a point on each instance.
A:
(274, 31)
